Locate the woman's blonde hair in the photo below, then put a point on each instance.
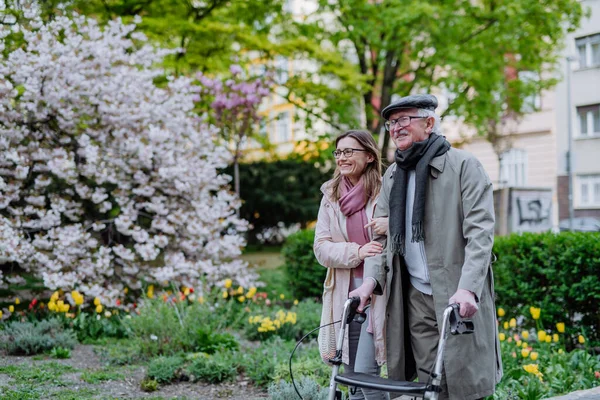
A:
(371, 176)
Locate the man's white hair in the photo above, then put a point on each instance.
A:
(428, 113)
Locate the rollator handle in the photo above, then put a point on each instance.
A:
(353, 314)
(459, 326)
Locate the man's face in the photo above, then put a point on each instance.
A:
(417, 131)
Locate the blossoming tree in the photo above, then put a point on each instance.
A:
(108, 180)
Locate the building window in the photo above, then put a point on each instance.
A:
(283, 127)
(589, 190)
(513, 168)
(588, 49)
(281, 70)
(589, 120)
(533, 102)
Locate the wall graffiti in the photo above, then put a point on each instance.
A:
(531, 210)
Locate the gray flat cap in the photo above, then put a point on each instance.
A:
(425, 101)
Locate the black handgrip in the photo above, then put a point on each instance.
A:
(459, 326)
(353, 314)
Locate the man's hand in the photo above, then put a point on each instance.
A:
(466, 300)
(379, 225)
(370, 249)
(364, 291)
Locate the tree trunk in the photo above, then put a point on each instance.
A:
(236, 180)
(389, 77)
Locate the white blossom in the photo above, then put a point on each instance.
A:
(107, 180)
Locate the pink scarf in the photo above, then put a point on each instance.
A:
(352, 203)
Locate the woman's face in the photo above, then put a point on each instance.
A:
(352, 167)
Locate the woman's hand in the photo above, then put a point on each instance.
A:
(370, 249)
(380, 225)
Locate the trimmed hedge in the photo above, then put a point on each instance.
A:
(560, 273)
(302, 270)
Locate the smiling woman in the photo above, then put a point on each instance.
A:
(343, 239)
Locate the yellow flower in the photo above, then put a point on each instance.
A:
(186, 291)
(241, 299)
(519, 343)
(251, 292)
(505, 325)
(201, 299)
(282, 296)
(17, 301)
(225, 294)
(535, 312)
(533, 369)
(525, 345)
(513, 323)
(560, 327)
(126, 290)
(525, 353)
(97, 301)
(240, 290)
(51, 305)
(581, 339)
(560, 351)
(11, 308)
(533, 355)
(1, 314)
(99, 308)
(296, 302)
(502, 337)
(228, 283)
(150, 292)
(525, 335)
(77, 297)
(555, 337)
(54, 297)
(541, 336)
(501, 312)
(548, 339)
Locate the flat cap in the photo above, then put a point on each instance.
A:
(425, 101)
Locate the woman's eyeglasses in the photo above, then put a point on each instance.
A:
(346, 152)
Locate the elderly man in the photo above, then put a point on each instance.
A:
(438, 251)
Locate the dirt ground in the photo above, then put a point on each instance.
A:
(84, 360)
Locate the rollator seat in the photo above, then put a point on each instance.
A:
(383, 384)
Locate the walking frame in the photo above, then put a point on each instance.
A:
(425, 390)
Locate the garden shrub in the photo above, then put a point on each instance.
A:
(215, 368)
(259, 363)
(306, 362)
(89, 328)
(308, 388)
(558, 273)
(35, 337)
(165, 369)
(210, 342)
(304, 273)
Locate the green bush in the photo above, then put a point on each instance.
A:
(308, 388)
(277, 191)
(165, 369)
(215, 368)
(558, 273)
(88, 328)
(259, 363)
(36, 337)
(210, 342)
(305, 275)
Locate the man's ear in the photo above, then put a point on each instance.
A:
(430, 124)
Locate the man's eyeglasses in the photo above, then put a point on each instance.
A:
(400, 122)
(346, 152)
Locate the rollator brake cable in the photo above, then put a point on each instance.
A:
(298, 344)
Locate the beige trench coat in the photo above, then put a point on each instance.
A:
(334, 252)
(459, 227)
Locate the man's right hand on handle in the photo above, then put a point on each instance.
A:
(364, 292)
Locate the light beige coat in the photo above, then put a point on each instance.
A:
(333, 251)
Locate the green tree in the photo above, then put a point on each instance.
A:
(459, 47)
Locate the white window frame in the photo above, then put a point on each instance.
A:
(588, 112)
(282, 127)
(533, 102)
(585, 53)
(588, 191)
(513, 168)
